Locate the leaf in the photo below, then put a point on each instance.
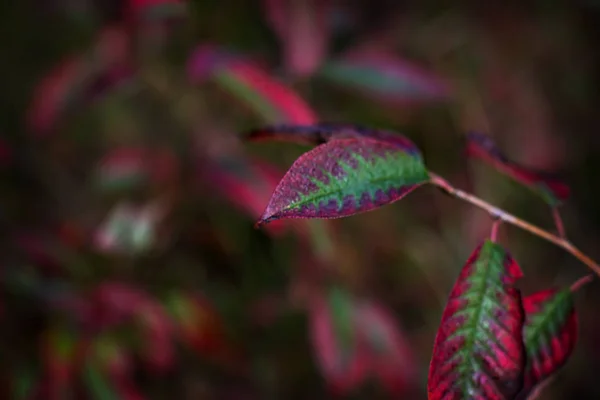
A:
(197, 323)
(345, 177)
(479, 351)
(385, 76)
(118, 303)
(250, 84)
(128, 168)
(550, 334)
(75, 81)
(548, 186)
(206, 59)
(245, 183)
(267, 97)
(390, 357)
(303, 28)
(324, 132)
(334, 341)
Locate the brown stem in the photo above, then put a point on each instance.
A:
(560, 228)
(495, 225)
(504, 216)
(581, 282)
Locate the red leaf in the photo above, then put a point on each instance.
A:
(479, 351)
(249, 83)
(341, 360)
(550, 188)
(303, 30)
(197, 323)
(550, 334)
(119, 303)
(391, 358)
(70, 83)
(126, 167)
(385, 76)
(247, 184)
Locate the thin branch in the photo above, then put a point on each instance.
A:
(504, 216)
(581, 282)
(495, 225)
(560, 228)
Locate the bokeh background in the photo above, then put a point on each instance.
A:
(130, 267)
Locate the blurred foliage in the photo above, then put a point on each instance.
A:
(130, 266)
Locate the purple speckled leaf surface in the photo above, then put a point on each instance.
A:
(345, 177)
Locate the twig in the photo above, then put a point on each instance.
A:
(560, 228)
(581, 282)
(504, 216)
(495, 225)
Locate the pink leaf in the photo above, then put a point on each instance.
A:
(303, 30)
(392, 360)
(339, 356)
(386, 76)
(118, 303)
(69, 84)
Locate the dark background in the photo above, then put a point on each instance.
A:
(525, 72)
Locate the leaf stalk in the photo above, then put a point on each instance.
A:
(504, 216)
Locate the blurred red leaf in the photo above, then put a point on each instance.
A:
(391, 359)
(385, 76)
(303, 30)
(117, 303)
(341, 360)
(246, 183)
(354, 339)
(249, 83)
(199, 325)
(71, 82)
(129, 167)
(549, 187)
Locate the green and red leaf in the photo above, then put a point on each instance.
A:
(550, 334)
(250, 84)
(479, 351)
(246, 183)
(390, 357)
(324, 132)
(78, 79)
(118, 303)
(334, 340)
(548, 186)
(303, 29)
(198, 324)
(345, 177)
(385, 76)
